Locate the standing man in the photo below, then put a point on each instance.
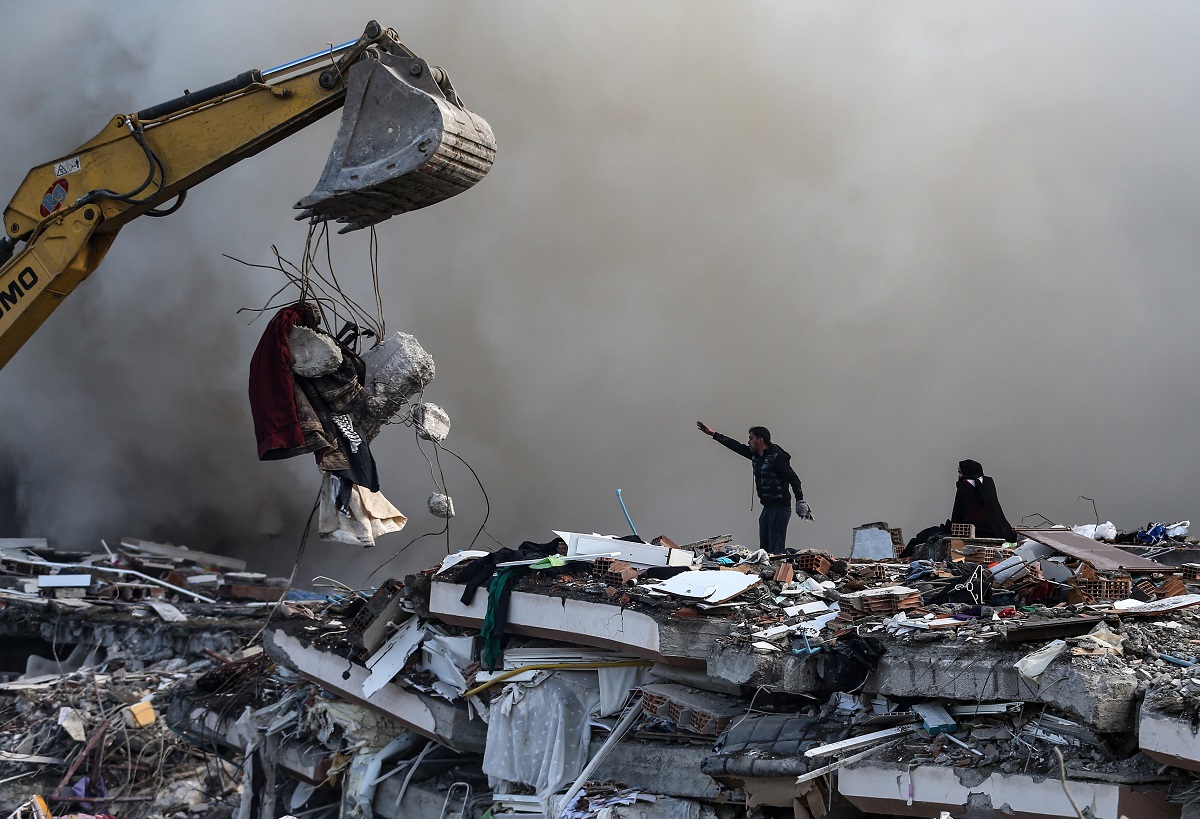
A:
(773, 474)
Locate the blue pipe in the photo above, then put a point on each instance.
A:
(626, 511)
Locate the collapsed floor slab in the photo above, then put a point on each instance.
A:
(587, 622)
(431, 797)
(926, 790)
(446, 723)
(1103, 700)
(140, 639)
(201, 724)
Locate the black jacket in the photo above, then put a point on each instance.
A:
(773, 472)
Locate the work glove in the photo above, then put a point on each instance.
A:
(802, 510)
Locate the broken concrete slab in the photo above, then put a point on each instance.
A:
(926, 790)
(223, 562)
(118, 629)
(1168, 739)
(669, 768)
(950, 672)
(446, 723)
(593, 623)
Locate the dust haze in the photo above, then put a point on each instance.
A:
(898, 236)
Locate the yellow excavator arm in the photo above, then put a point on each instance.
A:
(405, 142)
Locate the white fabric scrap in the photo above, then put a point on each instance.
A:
(539, 736)
(371, 515)
(1033, 664)
(615, 685)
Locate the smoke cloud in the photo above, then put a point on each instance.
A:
(898, 236)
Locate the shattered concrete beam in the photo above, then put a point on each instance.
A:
(925, 790)
(668, 768)
(420, 798)
(443, 722)
(300, 759)
(1168, 739)
(593, 623)
(950, 672)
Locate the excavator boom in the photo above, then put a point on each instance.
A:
(405, 142)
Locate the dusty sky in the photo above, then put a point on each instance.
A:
(897, 235)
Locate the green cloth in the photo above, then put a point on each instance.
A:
(550, 562)
(499, 590)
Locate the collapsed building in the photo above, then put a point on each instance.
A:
(592, 675)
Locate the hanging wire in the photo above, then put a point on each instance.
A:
(486, 501)
(374, 247)
(319, 285)
(401, 551)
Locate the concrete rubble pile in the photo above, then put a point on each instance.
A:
(594, 676)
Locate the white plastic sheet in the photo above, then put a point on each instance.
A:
(1033, 664)
(1103, 531)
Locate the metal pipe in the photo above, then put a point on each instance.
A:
(622, 728)
(626, 511)
(841, 763)
(331, 53)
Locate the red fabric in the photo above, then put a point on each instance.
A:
(272, 398)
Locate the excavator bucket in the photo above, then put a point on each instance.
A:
(405, 142)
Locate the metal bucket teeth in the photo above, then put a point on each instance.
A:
(398, 148)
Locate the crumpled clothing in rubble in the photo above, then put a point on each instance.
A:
(970, 584)
(365, 515)
(492, 631)
(341, 394)
(295, 415)
(277, 424)
(500, 584)
(88, 788)
(846, 664)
